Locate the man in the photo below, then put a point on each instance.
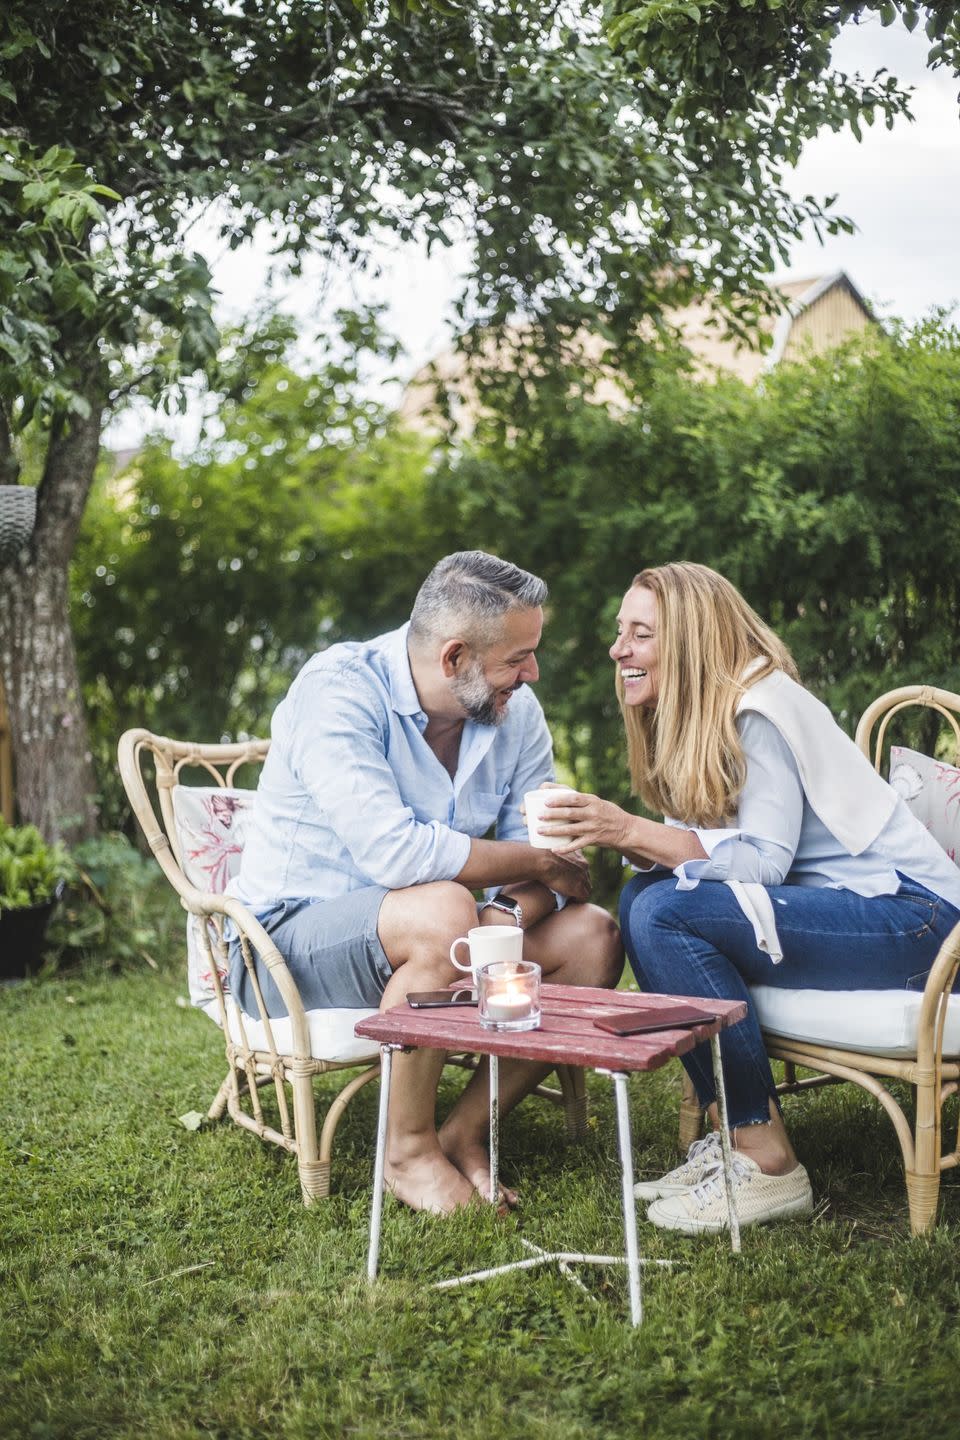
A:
(390, 760)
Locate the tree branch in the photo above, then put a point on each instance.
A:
(444, 109)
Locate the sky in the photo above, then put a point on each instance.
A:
(901, 187)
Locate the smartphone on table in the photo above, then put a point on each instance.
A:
(440, 999)
(646, 1022)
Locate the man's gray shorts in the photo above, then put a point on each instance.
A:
(332, 950)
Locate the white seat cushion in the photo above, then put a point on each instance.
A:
(874, 1022)
(331, 1032)
(877, 1022)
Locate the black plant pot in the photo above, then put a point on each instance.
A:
(21, 938)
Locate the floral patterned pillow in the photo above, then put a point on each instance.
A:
(931, 789)
(211, 829)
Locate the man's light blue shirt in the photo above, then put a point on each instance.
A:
(352, 795)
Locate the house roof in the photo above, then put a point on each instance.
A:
(701, 329)
(800, 295)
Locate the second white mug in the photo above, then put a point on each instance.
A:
(487, 943)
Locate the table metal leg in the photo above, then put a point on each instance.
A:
(376, 1212)
(494, 1129)
(725, 1143)
(565, 1258)
(629, 1204)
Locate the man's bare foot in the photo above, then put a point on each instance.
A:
(473, 1161)
(429, 1182)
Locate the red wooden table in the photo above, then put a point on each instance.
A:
(567, 1036)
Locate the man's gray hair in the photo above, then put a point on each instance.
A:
(470, 592)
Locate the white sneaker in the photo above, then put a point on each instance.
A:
(758, 1198)
(701, 1157)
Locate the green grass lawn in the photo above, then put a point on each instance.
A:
(169, 1283)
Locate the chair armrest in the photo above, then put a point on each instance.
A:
(936, 993)
(200, 902)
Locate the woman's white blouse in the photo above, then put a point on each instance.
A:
(778, 839)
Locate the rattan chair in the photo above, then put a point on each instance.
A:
(287, 1053)
(932, 1074)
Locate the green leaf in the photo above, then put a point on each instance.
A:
(57, 157)
(63, 286)
(103, 190)
(37, 193)
(193, 1120)
(77, 210)
(106, 63)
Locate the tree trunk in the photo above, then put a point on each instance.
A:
(55, 782)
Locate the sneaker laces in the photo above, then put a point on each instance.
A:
(712, 1184)
(700, 1147)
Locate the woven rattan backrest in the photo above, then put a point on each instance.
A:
(883, 709)
(171, 758)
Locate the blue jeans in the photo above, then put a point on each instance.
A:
(699, 942)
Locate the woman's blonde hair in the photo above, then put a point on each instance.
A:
(685, 755)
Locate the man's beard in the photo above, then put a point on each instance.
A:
(478, 697)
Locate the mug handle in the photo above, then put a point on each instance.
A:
(461, 940)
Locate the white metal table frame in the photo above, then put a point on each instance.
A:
(563, 1258)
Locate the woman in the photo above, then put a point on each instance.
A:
(831, 883)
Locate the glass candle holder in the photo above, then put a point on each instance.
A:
(509, 995)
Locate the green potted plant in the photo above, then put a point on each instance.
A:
(32, 877)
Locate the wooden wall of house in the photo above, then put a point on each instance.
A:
(825, 324)
(6, 762)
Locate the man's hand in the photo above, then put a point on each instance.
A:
(568, 874)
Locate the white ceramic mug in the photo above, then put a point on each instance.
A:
(534, 803)
(487, 943)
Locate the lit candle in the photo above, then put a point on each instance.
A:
(509, 995)
(509, 1004)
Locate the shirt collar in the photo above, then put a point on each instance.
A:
(403, 692)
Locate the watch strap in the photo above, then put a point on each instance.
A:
(507, 904)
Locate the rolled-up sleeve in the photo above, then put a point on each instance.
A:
(339, 754)
(761, 845)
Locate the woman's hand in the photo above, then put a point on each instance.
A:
(586, 820)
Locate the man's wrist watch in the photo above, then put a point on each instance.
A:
(506, 903)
